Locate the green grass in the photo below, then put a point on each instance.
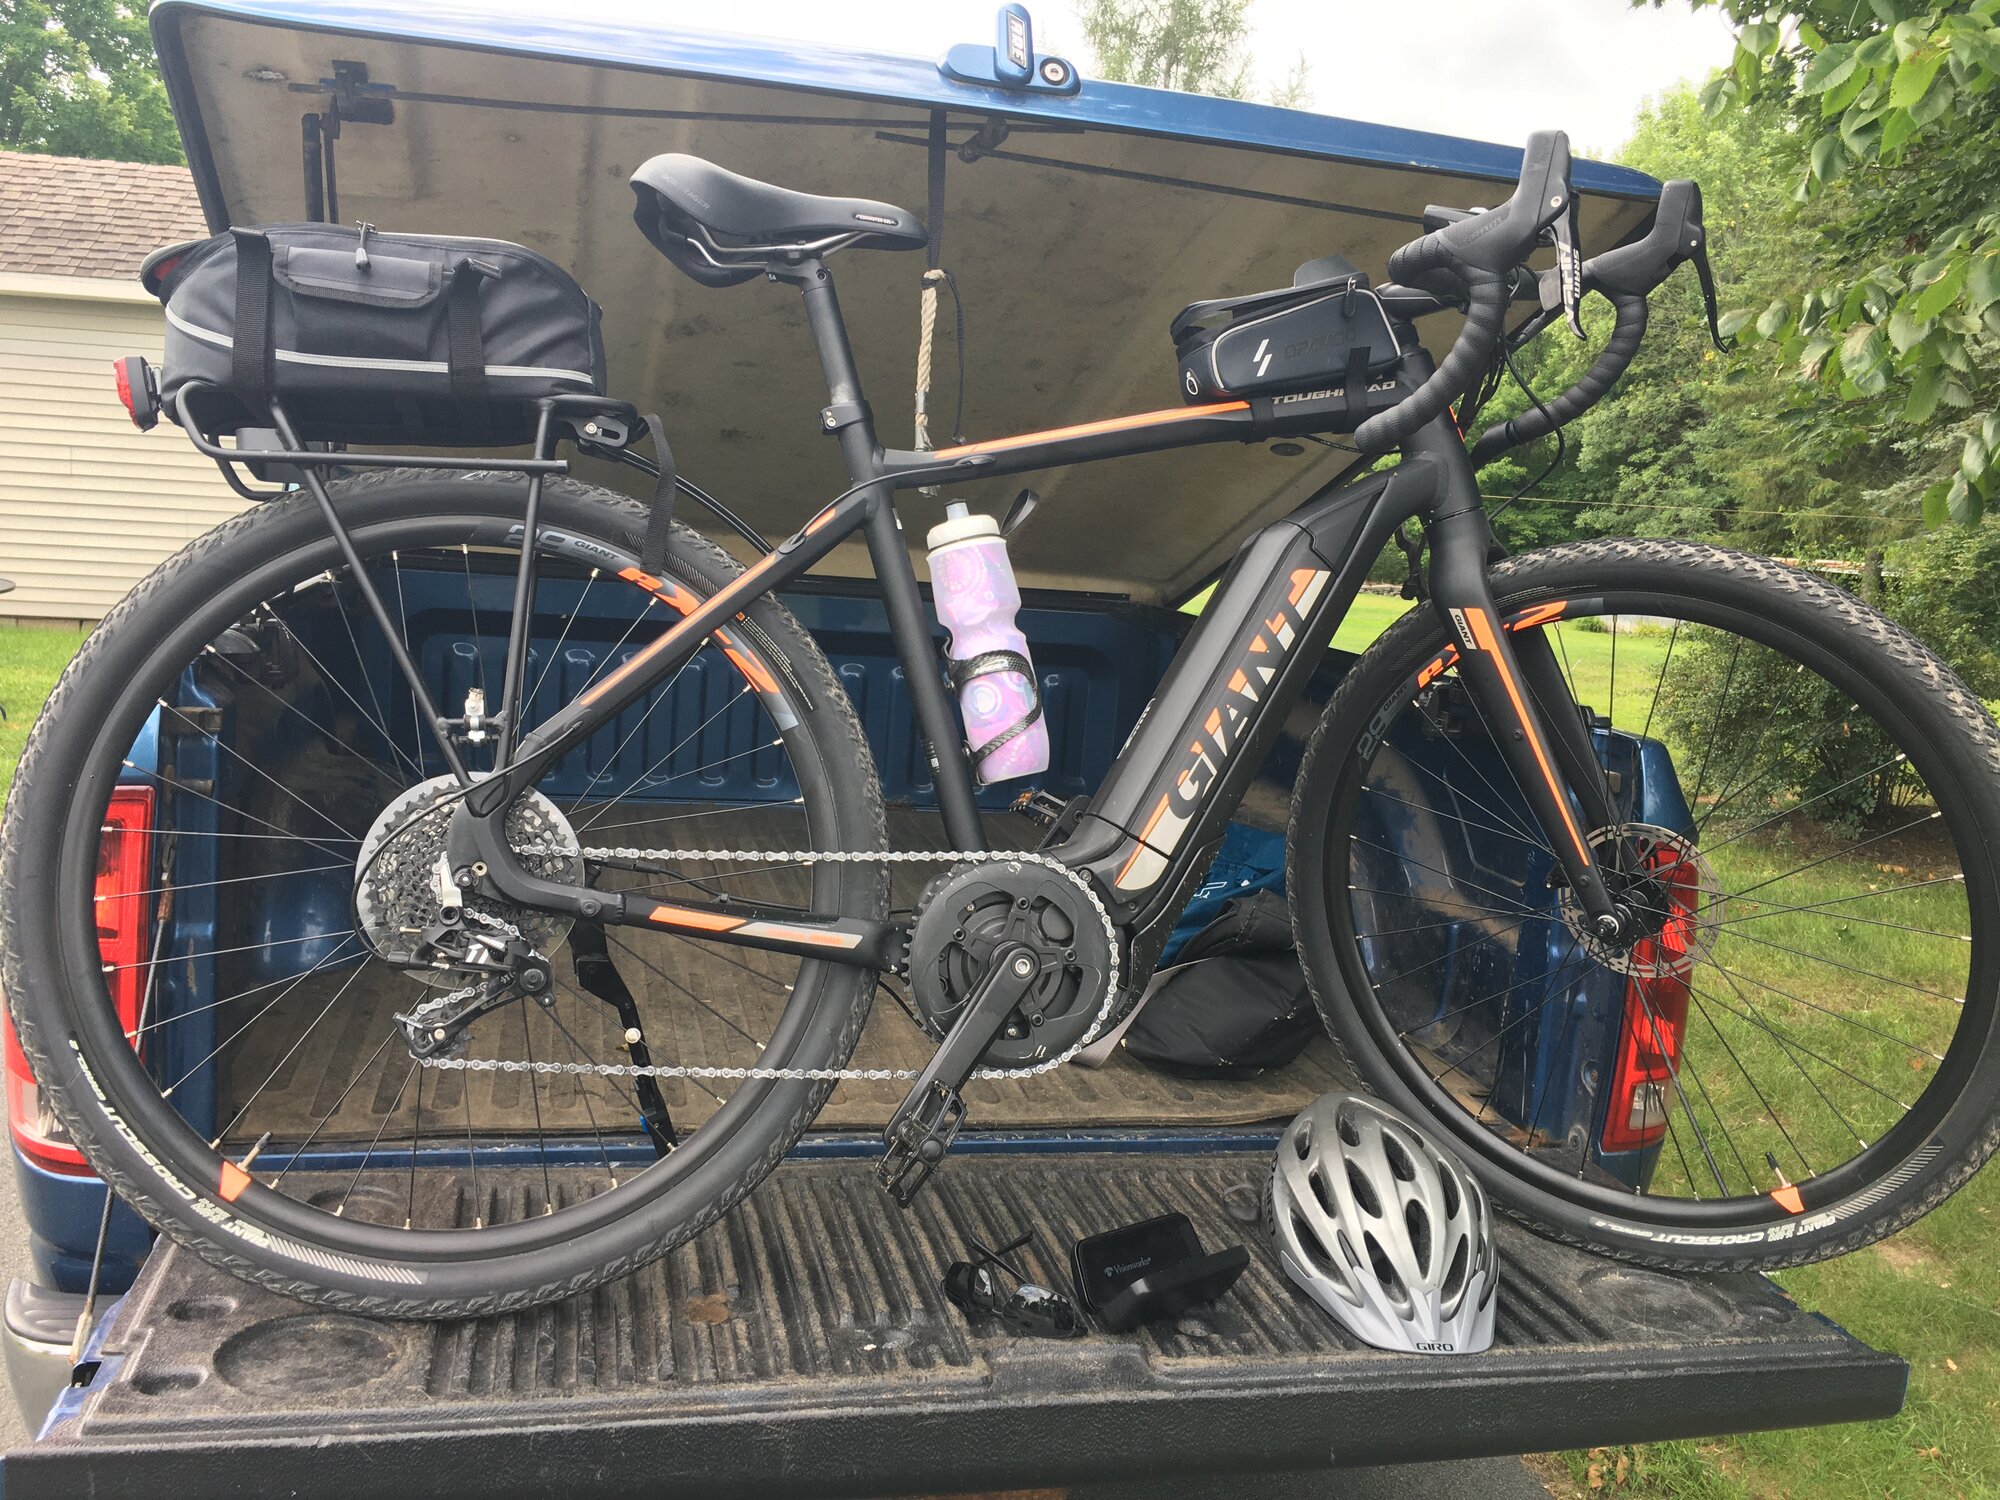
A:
(1932, 1294)
(31, 658)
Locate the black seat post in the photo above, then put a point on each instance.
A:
(846, 415)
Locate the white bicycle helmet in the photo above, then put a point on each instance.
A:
(1383, 1229)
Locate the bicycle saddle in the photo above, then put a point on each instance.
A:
(721, 228)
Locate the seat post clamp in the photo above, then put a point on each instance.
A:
(843, 414)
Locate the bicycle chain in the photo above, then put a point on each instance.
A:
(811, 1075)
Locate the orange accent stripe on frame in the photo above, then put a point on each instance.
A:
(1484, 638)
(1092, 429)
(703, 921)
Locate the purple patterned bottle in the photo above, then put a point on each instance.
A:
(977, 599)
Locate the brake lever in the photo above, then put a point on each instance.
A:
(1707, 279)
(1569, 265)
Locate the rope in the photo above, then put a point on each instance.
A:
(926, 336)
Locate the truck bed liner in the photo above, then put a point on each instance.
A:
(802, 1346)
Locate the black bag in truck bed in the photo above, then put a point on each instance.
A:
(802, 1347)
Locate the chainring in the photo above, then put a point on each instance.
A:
(967, 913)
(400, 889)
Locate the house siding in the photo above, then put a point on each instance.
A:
(88, 503)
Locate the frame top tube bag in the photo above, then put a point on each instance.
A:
(366, 337)
(1326, 330)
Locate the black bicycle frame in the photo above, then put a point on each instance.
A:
(1166, 800)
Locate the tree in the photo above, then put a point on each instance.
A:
(1195, 46)
(1895, 106)
(77, 79)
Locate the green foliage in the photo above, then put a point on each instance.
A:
(1895, 104)
(77, 79)
(1196, 46)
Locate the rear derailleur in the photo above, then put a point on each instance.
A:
(503, 969)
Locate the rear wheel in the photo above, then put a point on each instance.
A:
(214, 771)
(1801, 1051)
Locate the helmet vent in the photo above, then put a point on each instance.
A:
(1363, 1190)
(1314, 1251)
(1419, 1224)
(1302, 1140)
(1349, 1132)
(1385, 1272)
(1449, 1182)
(1454, 1276)
(1399, 1159)
(1320, 1193)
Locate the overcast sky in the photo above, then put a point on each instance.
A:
(1490, 69)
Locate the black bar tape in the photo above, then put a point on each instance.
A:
(1485, 323)
(1611, 363)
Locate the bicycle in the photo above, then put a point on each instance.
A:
(303, 764)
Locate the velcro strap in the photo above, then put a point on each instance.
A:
(660, 517)
(465, 342)
(964, 671)
(1357, 382)
(250, 356)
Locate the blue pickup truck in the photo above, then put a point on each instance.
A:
(746, 1357)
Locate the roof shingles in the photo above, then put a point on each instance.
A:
(70, 216)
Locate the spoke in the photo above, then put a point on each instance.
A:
(388, 1115)
(1793, 1041)
(1769, 1108)
(472, 1161)
(1515, 905)
(689, 739)
(1674, 1071)
(1571, 958)
(290, 1053)
(1661, 681)
(1834, 916)
(334, 1109)
(583, 1092)
(1461, 795)
(1834, 963)
(535, 1094)
(1820, 735)
(147, 963)
(667, 978)
(285, 703)
(700, 881)
(1887, 890)
(367, 677)
(1505, 833)
(327, 677)
(203, 885)
(277, 832)
(1790, 1057)
(417, 726)
(570, 617)
(1837, 854)
(619, 645)
(1765, 984)
(1709, 849)
(1520, 799)
(1715, 724)
(346, 834)
(1429, 963)
(717, 812)
(709, 950)
(416, 1137)
(245, 1027)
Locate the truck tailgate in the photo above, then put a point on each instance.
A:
(803, 1346)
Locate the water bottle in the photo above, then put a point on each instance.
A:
(977, 599)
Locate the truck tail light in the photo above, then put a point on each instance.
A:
(1655, 1019)
(124, 874)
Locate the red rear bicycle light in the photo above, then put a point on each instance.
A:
(137, 390)
(124, 869)
(1655, 1019)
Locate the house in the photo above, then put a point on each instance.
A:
(88, 503)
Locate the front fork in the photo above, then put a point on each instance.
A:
(1527, 704)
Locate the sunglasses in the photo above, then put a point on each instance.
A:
(975, 1287)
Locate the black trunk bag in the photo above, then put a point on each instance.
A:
(365, 337)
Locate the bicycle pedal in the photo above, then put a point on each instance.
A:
(1044, 808)
(918, 1142)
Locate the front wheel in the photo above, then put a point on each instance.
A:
(1799, 1051)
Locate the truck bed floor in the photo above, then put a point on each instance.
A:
(802, 1347)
